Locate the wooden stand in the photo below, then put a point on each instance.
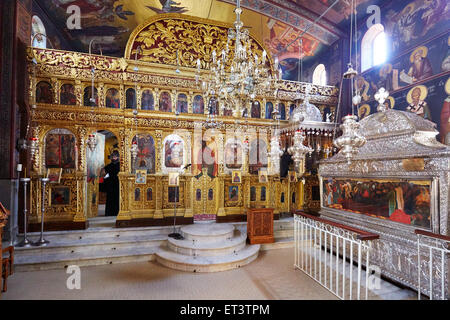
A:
(260, 225)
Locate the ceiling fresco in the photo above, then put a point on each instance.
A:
(110, 23)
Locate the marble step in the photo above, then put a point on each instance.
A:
(187, 263)
(106, 234)
(280, 243)
(92, 245)
(62, 260)
(199, 248)
(208, 233)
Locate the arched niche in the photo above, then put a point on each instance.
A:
(67, 95)
(256, 110)
(130, 98)
(198, 105)
(165, 102)
(44, 92)
(269, 110)
(174, 153)
(87, 96)
(112, 99)
(182, 103)
(147, 100)
(282, 111)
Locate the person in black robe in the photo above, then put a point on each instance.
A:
(112, 185)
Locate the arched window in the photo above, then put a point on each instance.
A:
(373, 47)
(38, 29)
(320, 75)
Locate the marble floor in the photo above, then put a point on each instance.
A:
(270, 277)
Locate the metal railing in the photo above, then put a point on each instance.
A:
(433, 260)
(333, 255)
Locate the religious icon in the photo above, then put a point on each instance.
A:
(130, 98)
(173, 151)
(236, 177)
(206, 158)
(416, 99)
(88, 95)
(149, 194)
(137, 194)
(262, 174)
(282, 111)
(263, 194)
(44, 92)
(292, 176)
(213, 106)
(60, 151)
(363, 111)
(253, 194)
(112, 98)
(182, 103)
(147, 101)
(165, 102)
(198, 105)
(60, 196)
(141, 177)
(174, 179)
(256, 110)
(54, 175)
(210, 194)
(233, 193)
(145, 159)
(67, 95)
(198, 195)
(269, 110)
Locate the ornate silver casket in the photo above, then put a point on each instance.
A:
(396, 183)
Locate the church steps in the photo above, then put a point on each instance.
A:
(210, 263)
(104, 245)
(199, 248)
(62, 260)
(96, 245)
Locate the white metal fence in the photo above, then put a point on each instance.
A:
(433, 261)
(332, 256)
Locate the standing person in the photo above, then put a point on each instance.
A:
(112, 185)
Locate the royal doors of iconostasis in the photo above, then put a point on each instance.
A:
(205, 171)
(97, 158)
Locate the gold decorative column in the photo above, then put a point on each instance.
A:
(101, 95)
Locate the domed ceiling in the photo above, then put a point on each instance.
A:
(275, 23)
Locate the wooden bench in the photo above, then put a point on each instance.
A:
(7, 266)
(7, 262)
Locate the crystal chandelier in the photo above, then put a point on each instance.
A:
(298, 151)
(248, 75)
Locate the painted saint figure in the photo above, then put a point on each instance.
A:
(417, 103)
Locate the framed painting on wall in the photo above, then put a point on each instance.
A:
(60, 196)
(141, 177)
(407, 201)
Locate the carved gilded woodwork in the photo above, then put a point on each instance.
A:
(153, 70)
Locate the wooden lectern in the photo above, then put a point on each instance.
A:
(260, 225)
